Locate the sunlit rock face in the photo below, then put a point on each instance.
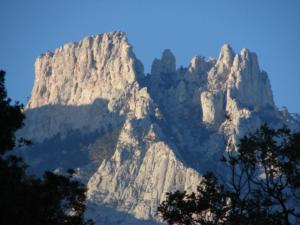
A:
(131, 137)
(99, 66)
(98, 74)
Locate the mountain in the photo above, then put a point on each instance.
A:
(132, 137)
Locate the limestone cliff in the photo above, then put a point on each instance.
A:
(133, 137)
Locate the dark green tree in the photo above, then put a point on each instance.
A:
(263, 187)
(207, 206)
(53, 199)
(11, 118)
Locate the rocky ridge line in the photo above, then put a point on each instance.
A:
(168, 127)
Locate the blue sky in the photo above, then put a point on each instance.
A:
(187, 27)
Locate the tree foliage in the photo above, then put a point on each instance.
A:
(263, 185)
(11, 118)
(53, 199)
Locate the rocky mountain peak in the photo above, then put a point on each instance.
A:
(198, 64)
(165, 65)
(132, 138)
(247, 83)
(249, 59)
(198, 68)
(226, 55)
(73, 74)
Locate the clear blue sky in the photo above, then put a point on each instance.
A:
(271, 28)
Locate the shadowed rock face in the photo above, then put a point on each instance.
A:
(132, 137)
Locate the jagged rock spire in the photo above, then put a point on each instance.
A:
(165, 65)
(226, 55)
(248, 84)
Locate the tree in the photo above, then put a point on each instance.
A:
(207, 207)
(54, 199)
(11, 118)
(263, 185)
